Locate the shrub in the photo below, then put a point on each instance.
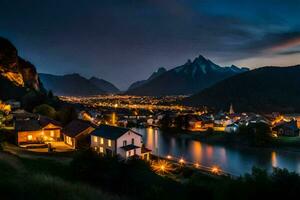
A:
(45, 110)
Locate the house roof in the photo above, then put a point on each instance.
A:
(111, 132)
(27, 125)
(75, 127)
(44, 121)
(145, 150)
(34, 124)
(129, 147)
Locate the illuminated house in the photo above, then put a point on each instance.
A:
(77, 133)
(112, 140)
(43, 129)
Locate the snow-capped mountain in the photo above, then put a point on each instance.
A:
(189, 78)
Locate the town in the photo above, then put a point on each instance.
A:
(106, 127)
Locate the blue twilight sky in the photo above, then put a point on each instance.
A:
(126, 40)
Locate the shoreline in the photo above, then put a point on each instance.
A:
(225, 141)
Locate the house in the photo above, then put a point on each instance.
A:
(195, 125)
(112, 140)
(40, 130)
(285, 128)
(232, 128)
(76, 132)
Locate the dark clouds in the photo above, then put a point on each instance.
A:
(125, 40)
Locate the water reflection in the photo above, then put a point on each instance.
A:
(235, 161)
(274, 159)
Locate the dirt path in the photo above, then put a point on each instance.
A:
(18, 152)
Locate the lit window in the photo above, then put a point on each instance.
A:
(69, 140)
(52, 133)
(95, 139)
(101, 141)
(109, 143)
(29, 137)
(101, 149)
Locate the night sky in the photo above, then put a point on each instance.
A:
(123, 41)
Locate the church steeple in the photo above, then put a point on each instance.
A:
(231, 111)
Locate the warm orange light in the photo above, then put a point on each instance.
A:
(215, 170)
(161, 167)
(196, 165)
(181, 161)
(169, 157)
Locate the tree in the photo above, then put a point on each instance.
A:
(45, 110)
(165, 122)
(66, 114)
(257, 134)
(50, 94)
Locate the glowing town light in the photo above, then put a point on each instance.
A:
(196, 165)
(169, 157)
(161, 167)
(181, 161)
(215, 170)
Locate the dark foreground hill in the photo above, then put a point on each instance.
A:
(266, 89)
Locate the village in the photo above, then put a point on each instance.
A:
(107, 130)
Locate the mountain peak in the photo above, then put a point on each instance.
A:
(191, 77)
(104, 85)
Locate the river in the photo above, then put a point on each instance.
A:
(235, 161)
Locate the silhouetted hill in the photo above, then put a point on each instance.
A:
(265, 89)
(69, 85)
(189, 78)
(104, 85)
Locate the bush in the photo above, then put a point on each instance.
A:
(133, 177)
(45, 110)
(66, 114)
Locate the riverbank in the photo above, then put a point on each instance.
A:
(90, 176)
(288, 144)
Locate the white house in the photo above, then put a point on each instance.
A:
(232, 128)
(112, 140)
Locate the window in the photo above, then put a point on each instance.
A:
(52, 133)
(128, 153)
(132, 141)
(69, 140)
(109, 143)
(124, 143)
(29, 137)
(101, 150)
(95, 139)
(101, 141)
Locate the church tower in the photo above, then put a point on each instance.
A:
(231, 111)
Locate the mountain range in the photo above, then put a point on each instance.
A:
(189, 78)
(266, 89)
(76, 85)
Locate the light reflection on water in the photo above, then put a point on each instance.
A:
(235, 161)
